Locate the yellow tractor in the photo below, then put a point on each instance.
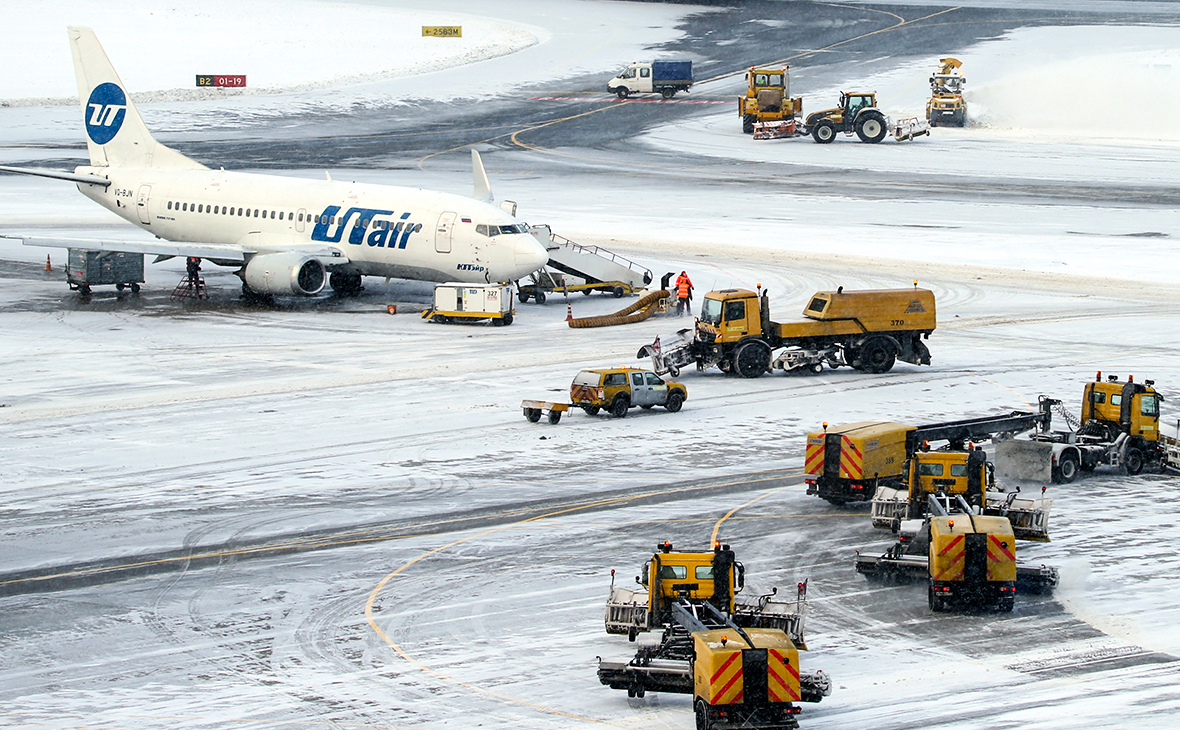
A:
(768, 99)
(857, 113)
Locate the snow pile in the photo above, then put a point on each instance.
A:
(278, 45)
(1079, 82)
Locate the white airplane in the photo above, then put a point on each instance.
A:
(283, 234)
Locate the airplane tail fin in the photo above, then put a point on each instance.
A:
(483, 189)
(115, 133)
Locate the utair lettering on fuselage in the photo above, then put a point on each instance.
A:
(383, 232)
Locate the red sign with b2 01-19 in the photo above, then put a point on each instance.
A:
(222, 80)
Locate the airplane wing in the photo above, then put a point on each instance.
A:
(222, 254)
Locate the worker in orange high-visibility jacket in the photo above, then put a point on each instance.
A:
(683, 294)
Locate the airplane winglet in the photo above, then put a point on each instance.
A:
(483, 189)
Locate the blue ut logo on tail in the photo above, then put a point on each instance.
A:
(105, 112)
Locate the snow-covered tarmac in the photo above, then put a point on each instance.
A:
(445, 561)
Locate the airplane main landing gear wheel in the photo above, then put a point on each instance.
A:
(345, 283)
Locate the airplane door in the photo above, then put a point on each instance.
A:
(141, 204)
(444, 231)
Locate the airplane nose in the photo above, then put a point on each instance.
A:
(530, 255)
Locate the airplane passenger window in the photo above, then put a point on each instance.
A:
(169, 205)
(280, 215)
(272, 215)
(255, 212)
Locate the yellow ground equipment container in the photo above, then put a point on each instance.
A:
(866, 330)
(946, 106)
(853, 459)
(745, 679)
(768, 98)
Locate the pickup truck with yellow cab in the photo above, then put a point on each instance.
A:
(618, 389)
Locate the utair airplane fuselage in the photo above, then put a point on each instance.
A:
(283, 234)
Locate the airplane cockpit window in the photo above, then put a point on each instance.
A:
(514, 228)
(481, 229)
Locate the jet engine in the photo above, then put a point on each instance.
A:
(285, 274)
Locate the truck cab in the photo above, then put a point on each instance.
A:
(1118, 407)
(715, 577)
(968, 473)
(729, 315)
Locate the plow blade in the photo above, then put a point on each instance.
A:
(889, 507)
(1023, 460)
(775, 130)
(1041, 579)
(1029, 517)
(904, 129)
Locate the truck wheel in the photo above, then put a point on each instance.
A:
(523, 296)
(1133, 462)
(702, 713)
(619, 407)
(1067, 468)
(621, 92)
(506, 319)
(816, 368)
(1006, 604)
(675, 400)
(824, 132)
(533, 414)
(877, 355)
(540, 297)
(591, 410)
(870, 127)
(618, 292)
(135, 288)
(751, 359)
(674, 371)
(937, 602)
(554, 417)
(748, 123)
(668, 93)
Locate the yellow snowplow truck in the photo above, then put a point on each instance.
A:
(866, 330)
(739, 660)
(1119, 427)
(968, 560)
(857, 113)
(946, 106)
(768, 99)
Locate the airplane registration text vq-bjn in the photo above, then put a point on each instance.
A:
(284, 234)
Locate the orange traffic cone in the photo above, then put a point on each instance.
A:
(48, 266)
(569, 311)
